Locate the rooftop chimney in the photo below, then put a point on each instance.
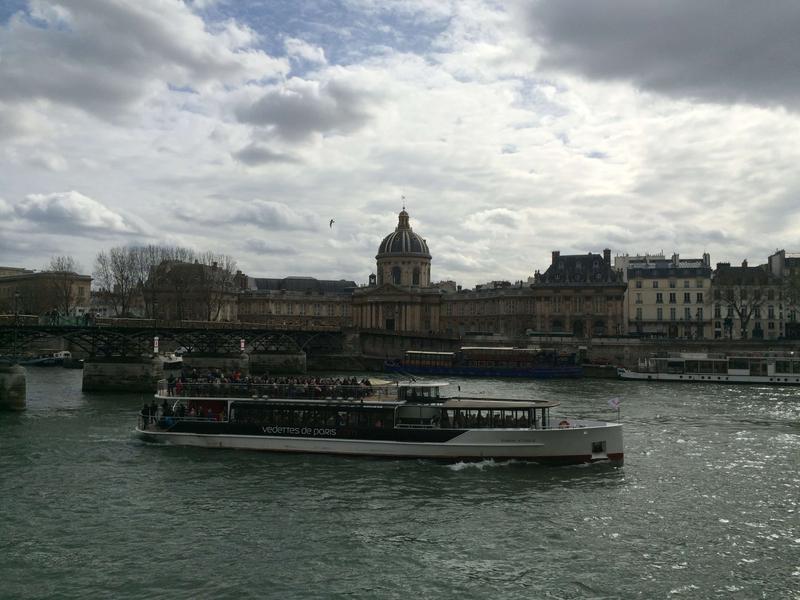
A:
(607, 256)
(744, 263)
(556, 254)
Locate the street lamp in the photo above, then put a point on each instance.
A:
(155, 327)
(16, 323)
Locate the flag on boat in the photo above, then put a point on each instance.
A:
(614, 403)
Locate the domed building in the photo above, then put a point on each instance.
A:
(403, 257)
(399, 297)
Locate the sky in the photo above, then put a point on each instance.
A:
(507, 129)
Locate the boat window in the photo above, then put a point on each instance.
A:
(675, 366)
(739, 363)
(783, 366)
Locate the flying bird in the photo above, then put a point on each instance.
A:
(331, 223)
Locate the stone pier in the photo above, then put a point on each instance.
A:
(275, 362)
(121, 374)
(13, 387)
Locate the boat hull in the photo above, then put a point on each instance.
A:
(572, 445)
(709, 378)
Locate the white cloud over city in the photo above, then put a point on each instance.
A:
(512, 129)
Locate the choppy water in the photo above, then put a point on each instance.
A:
(706, 506)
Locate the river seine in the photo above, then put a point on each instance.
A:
(706, 506)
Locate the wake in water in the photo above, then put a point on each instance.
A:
(489, 463)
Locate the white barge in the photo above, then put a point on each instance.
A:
(398, 421)
(775, 368)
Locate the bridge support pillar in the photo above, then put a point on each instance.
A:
(13, 387)
(274, 362)
(121, 374)
(227, 363)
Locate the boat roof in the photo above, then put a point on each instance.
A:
(497, 404)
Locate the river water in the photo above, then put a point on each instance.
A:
(706, 506)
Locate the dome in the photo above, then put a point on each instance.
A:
(403, 241)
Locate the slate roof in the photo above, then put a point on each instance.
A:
(578, 270)
(309, 285)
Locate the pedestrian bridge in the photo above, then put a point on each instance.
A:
(106, 337)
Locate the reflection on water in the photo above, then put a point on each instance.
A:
(705, 506)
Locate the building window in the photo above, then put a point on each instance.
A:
(660, 313)
(638, 283)
(415, 276)
(396, 275)
(638, 314)
(672, 283)
(317, 310)
(638, 297)
(699, 298)
(699, 283)
(771, 312)
(717, 311)
(771, 325)
(655, 283)
(700, 313)
(659, 298)
(672, 314)
(685, 283)
(672, 298)
(687, 298)
(758, 312)
(687, 313)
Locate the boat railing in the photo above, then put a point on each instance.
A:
(313, 391)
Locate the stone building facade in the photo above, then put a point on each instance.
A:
(581, 295)
(748, 302)
(296, 302)
(41, 292)
(669, 297)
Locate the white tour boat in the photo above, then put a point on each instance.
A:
(777, 368)
(402, 420)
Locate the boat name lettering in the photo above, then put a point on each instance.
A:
(309, 431)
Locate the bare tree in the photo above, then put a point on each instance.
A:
(744, 302)
(215, 282)
(116, 277)
(60, 288)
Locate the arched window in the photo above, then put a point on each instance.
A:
(415, 276)
(396, 275)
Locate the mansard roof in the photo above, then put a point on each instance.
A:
(578, 270)
(309, 285)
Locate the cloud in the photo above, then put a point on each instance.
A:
(494, 218)
(72, 213)
(301, 50)
(302, 108)
(260, 246)
(722, 51)
(256, 154)
(105, 56)
(6, 210)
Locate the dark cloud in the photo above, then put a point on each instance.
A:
(103, 57)
(724, 51)
(303, 108)
(256, 154)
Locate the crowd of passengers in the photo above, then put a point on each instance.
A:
(215, 383)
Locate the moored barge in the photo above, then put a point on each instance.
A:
(771, 368)
(401, 420)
